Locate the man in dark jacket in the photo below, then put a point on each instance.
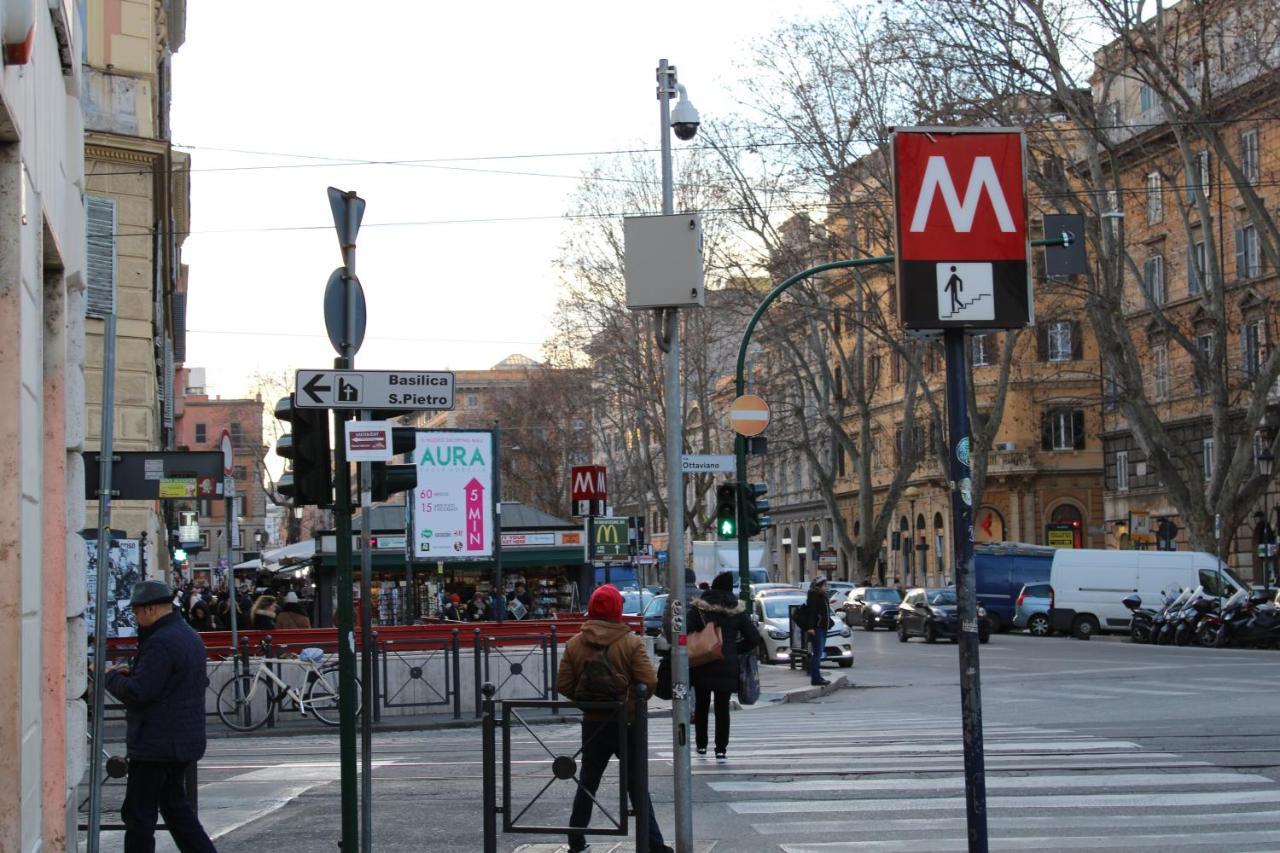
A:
(163, 691)
(718, 679)
(817, 606)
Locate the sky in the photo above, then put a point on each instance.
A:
(274, 99)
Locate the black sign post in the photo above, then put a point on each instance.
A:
(146, 475)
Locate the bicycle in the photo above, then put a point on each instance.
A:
(320, 696)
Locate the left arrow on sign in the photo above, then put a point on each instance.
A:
(313, 386)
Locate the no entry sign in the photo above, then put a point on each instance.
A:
(961, 217)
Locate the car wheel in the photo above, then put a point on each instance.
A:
(930, 634)
(1038, 625)
(1084, 627)
(902, 633)
(867, 623)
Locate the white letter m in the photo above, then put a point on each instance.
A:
(938, 179)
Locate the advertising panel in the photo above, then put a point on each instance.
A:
(453, 503)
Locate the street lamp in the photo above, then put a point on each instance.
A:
(911, 493)
(1266, 463)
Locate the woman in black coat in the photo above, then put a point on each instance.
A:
(718, 680)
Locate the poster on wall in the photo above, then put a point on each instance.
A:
(453, 502)
(125, 570)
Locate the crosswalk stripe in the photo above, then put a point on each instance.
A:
(1220, 840)
(997, 782)
(1145, 800)
(887, 825)
(943, 764)
(1021, 747)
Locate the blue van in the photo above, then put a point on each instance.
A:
(1001, 569)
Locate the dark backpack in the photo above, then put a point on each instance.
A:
(599, 681)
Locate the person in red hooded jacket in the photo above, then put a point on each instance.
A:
(626, 664)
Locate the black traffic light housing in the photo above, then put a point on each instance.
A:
(755, 507)
(388, 479)
(727, 511)
(310, 480)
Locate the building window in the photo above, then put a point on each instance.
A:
(873, 372)
(1122, 470)
(1206, 458)
(1155, 198)
(1249, 162)
(1146, 98)
(1063, 429)
(1253, 347)
(1160, 371)
(1153, 278)
(202, 434)
(1248, 254)
(1060, 340)
(981, 355)
(473, 400)
(895, 366)
(240, 472)
(1204, 342)
(237, 435)
(1197, 267)
(1198, 176)
(1259, 442)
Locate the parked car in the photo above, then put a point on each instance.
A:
(1001, 570)
(1031, 611)
(757, 588)
(772, 611)
(634, 601)
(653, 623)
(839, 592)
(934, 614)
(872, 607)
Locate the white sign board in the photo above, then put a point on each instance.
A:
(453, 504)
(707, 463)
(373, 389)
(369, 441)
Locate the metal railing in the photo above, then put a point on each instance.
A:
(508, 661)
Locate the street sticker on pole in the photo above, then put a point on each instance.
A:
(749, 415)
(961, 225)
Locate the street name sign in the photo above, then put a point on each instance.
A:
(749, 415)
(373, 389)
(961, 228)
(707, 463)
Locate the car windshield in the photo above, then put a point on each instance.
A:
(655, 606)
(942, 597)
(882, 596)
(778, 606)
(633, 602)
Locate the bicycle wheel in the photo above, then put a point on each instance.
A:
(233, 712)
(321, 698)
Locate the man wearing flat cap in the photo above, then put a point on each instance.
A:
(163, 692)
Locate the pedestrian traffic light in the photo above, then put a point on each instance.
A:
(388, 479)
(309, 482)
(727, 511)
(755, 508)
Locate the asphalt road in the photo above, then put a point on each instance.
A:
(1099, 745)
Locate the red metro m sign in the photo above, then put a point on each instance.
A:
(961, 219)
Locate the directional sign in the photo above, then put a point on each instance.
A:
(374, 389)
(961, 219)
(707, 463)
(749, 415)
(163, 475)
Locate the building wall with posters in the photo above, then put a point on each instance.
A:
(42, 307)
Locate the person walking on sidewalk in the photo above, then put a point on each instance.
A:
(603, 663)
(163, 692)
(818, 619)
(718, 680)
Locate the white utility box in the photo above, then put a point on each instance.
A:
(663, 261)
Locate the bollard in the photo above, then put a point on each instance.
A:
(457, 675)
(640, 775)
(490, 771)
(246, 711)
(272, 707)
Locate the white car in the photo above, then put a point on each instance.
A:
(772, 611)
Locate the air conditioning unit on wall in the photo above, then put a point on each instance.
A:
(1005, 446)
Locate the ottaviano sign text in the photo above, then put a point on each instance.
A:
(453, 513)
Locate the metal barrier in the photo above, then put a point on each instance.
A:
(563, 767)
(490, 656)
(412, 661)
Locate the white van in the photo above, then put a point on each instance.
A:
(1089, 584)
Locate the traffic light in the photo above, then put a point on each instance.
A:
(727, 511)
(309, 482)
(388, 479)
(756, 507)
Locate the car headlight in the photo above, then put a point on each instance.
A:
(779, 635)
(845, 632)
(876, 608)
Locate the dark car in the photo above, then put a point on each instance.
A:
(872, 607)
(933, 614)
(653, 622)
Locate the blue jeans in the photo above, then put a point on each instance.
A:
(599, 744)
(817, 645)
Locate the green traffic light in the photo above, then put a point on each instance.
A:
(726, 527)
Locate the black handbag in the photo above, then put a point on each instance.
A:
(663, 690)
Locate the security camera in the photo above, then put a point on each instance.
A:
(684, 118)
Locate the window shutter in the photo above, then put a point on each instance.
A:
(168, 383)
(100, 260)
(1077, 428)
(1046, 431)
(1042, 341)
(1077, 341)
(1193, 276)
(1242, 260)
(180, 327)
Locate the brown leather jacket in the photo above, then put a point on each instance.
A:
(292, 618)
(626, 653)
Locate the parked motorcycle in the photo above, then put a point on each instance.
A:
(1165, 623)
(1247, 619)
(1200, 605)
(1141, 626)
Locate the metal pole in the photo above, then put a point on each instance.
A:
(106, 449)
(489, 773)
(366, 651)
(975, 784)
(500, 600)
(683, 776)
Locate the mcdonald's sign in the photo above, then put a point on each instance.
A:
(611, 538)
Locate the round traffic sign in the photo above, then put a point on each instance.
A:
(228, 454)
(749, 415)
